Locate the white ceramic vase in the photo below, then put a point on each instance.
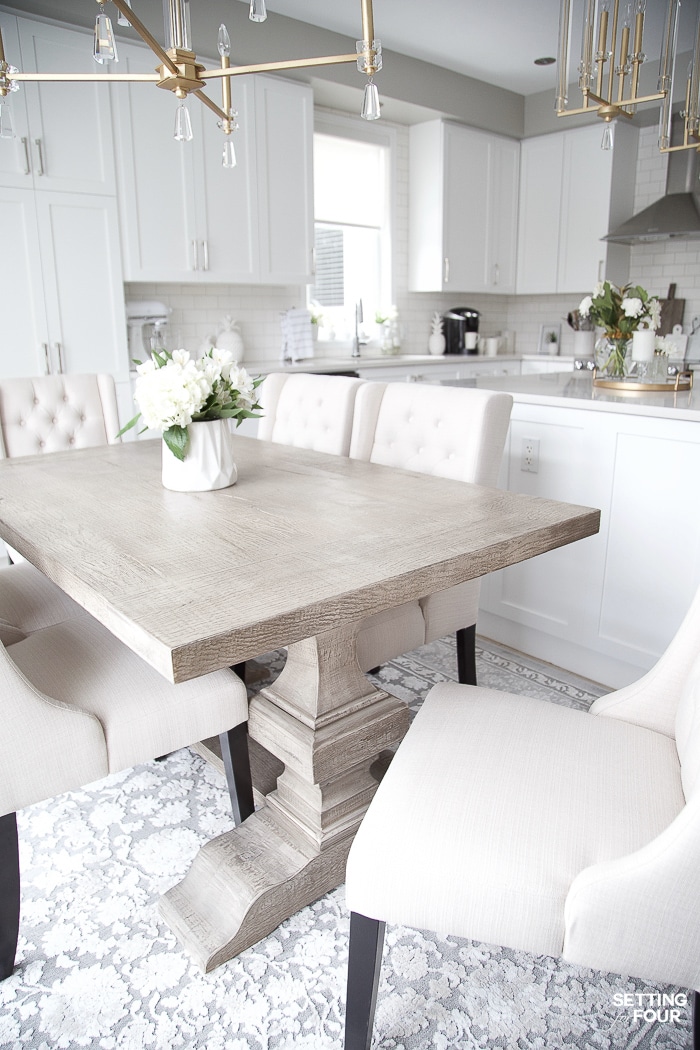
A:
(209, 463)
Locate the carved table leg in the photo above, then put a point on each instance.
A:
(327, 723)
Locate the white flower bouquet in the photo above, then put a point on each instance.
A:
(621, 311)
(173, 390)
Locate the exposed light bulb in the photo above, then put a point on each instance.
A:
(607, 141)
(122, 20)
(228, 158)
(7, 131)
(105, 48)
(183, 124)
(258, 11)
(224, 42)
(370, 102)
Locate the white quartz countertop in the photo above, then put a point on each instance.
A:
(576, 390)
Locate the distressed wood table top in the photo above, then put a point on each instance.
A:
(304, 542)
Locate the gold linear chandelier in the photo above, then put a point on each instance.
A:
(180, 72)
(612, 53)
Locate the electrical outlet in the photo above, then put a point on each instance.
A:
(530, 455)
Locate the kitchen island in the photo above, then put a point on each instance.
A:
(608, 607)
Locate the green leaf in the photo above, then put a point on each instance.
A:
(129, 425)
(178, 440)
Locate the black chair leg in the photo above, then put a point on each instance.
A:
(466, 655)
(364, 966)
(9, 893)
(696, 1020)
(240, 671)
(234, 752)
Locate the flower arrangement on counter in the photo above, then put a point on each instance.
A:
(173, 390)
(621, 312)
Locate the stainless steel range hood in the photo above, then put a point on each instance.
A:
(677, 214)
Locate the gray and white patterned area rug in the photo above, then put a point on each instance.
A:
(98, 968)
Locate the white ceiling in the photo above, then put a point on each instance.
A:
(492, 40)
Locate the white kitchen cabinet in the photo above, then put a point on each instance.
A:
(284, 125)
(62, 297)
(451, 367)
(463, 200)
(187, 218)
(571, 194)
(536, 366)
(63, 131)
(605, 607)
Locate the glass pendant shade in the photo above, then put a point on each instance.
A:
(258, 11)
(6, 128)
(122, 20)
(105, 48)
(229, 155)
(183, 124)
(370, 102)
(607, 141)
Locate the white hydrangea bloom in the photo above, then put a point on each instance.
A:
(585, 306)
(171, 395)
(632, 307)
(599, 290)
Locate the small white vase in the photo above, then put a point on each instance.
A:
(643, 345)
(209, 462)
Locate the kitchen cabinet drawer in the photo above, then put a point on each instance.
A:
(463, 200)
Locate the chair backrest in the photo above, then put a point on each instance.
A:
(54, 413)
(451, 432)
(308, 411)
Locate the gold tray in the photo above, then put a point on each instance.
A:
(682, 381)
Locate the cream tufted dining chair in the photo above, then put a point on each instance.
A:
(54, 413)
(522, 823)
(451, 432)
(48, 414)
(77, 704)
(308, 411)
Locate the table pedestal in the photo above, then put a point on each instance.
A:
(327, 723)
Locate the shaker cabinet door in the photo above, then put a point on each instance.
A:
(23, 327)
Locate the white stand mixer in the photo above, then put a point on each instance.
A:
(147, 322)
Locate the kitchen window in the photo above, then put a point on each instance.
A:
(352, 227)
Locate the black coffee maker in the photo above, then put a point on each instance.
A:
(457, 325)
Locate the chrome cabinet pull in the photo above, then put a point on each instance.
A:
(40, 151)
(47, 363)
(496, 273)
(205, 254)
(446, 270)
(27, 162)
(59, 351)
(195, 255)
(601, 266)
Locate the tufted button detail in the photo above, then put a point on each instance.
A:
(21, 422)
(65, 397)
(41, 444)
(36, 400)
(71, 441)
(82, 419)
(54, 421)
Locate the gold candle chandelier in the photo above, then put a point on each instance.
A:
(612, 54)
(180, 72)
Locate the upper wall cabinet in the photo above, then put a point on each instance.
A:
(571, 194)
(463, 200)
(63, 131)
(187, 218)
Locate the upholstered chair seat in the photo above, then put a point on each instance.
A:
(308, 411)
(77, 704)
(517, 822)
(29, 602)
(450, 432)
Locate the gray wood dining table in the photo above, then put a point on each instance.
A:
(296, 554)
